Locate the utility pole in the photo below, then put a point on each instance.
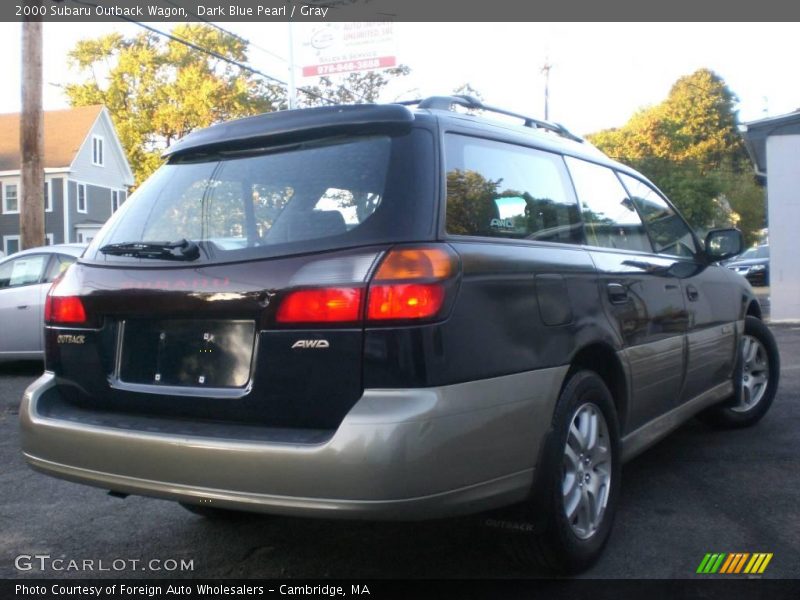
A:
(31, 138)
(546, 70)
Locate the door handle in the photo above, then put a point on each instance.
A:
(691, 293)
(22, 307)
(617, 293)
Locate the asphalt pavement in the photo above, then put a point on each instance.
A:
(698, 491)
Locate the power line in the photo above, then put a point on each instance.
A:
(269, 52)
(217, 55)
(231, 33)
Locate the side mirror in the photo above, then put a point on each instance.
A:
(723, 243)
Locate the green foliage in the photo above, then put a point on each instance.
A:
(696, 122)
(691, 190)
(159, 90)
(747, 199)
(689, 146)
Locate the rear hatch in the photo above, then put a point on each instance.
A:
(231, 286)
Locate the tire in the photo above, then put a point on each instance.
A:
(571, 537)
(213, 512)
(758, 361)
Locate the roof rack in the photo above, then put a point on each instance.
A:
(470, 102)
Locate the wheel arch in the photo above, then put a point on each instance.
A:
(754, 310)
(602, 359)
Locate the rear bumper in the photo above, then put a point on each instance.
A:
(398, 454)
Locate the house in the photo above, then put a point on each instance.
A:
(86, 174)
(774, 146)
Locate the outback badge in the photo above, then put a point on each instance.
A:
(66, 338)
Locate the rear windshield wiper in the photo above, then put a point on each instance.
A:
(181, 250)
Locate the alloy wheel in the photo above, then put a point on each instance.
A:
(587, 463)
(755, 374)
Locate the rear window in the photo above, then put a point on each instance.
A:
(320, 195)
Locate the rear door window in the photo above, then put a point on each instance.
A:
(503, 190)
(610, 217)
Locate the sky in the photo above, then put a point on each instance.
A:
(601, 72)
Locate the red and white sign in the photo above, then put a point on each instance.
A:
(333, 48)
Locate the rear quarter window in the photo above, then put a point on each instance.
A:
(501, 190)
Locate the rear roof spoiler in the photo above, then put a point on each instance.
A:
(324, 120)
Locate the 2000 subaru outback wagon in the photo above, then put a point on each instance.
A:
(379, 312)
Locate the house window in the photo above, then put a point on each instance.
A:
(97, 151)
(10, 244)
(82, 197)
(116, 200)
(11, 193)
(10, 198)
(48, 193)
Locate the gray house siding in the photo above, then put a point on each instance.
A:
(9, 224)
(53, 220)
(100, 179)
(112, 173)
(98, 206)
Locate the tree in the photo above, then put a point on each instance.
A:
(746, 198)
(696, 122)
(689, 145)
(355, 88)
(159, 90)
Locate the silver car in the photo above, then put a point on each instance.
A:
(25, 278)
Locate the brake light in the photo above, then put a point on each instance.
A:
(405, 301)
(411, 284)
(321, 305)
(64, 310)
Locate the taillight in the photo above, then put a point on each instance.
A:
(404, 301)
(321, 305)
(411, 283)
(64, 310)
(416, 263)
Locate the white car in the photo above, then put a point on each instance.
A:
(25, 278)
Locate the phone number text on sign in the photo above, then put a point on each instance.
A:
(366, 64)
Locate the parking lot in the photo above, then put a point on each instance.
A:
(698, 491)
